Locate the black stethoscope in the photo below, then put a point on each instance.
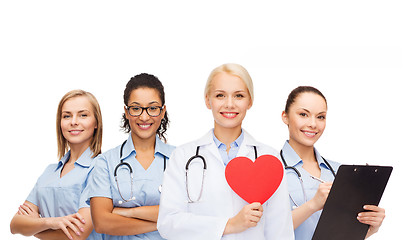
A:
(197, 156)
(122, 163)
(300, 176)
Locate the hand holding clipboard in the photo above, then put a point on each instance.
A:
(354, 187)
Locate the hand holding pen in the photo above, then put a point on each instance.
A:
(317, 202)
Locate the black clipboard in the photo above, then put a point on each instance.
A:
(353, 187)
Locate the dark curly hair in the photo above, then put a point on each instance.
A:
(148, 81)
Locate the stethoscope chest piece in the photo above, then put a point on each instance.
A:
(131, 199)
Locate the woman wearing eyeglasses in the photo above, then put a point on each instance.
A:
(202, 205)
(305, 115)
(125, 186)
(56, 208)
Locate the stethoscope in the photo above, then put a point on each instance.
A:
(197, 156)
(122, 163)
(300, 176)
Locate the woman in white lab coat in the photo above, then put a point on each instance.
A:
(208, 208)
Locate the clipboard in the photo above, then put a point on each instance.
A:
(353, 187)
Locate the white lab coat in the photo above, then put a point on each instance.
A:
(207, 218)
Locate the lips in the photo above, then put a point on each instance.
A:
(75, 132)
(144, 126)
(309, 133)
(229, 115)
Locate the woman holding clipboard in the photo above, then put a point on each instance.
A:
(308, 174)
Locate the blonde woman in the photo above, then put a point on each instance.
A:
(56, 207)
(202, 205)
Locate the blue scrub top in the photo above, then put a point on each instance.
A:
(306, 229)
(145, 183)
(57, 197)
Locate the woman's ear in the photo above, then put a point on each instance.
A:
(207, 101)
(285, 118)
(251, 103)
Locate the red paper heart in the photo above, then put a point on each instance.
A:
(254, 181)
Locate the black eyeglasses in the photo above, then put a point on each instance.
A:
(152, 111)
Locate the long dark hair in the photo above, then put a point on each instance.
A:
(148, 81)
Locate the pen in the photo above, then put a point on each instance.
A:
(317, 179)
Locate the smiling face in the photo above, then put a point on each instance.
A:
(306, 119)
(229, 100)
(78, 122)
(144, 126)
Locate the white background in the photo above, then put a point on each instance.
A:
(353, 51)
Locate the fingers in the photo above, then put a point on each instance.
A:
(374, 217)
(254, 214)
(248, 217)
(74, 222)
(70, 223)
(317, 202)
(25, 210)
(65, 230)
(22, 210)
(78, 216)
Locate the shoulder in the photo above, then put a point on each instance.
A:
(261, 147)
(106, 158)
(266, 149)
(50, 168)
(185, 148)
(181, 154)
(333, 164)
(113, 152)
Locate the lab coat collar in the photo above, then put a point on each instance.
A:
(160, 147)
(247, 145)
(208, 139)
(245, 148)
(84, 160)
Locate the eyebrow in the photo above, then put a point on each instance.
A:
(80, 111)
(238, 91)
(304, 109)
(137, 103)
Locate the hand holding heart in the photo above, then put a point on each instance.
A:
(248, 217)
(255, 182)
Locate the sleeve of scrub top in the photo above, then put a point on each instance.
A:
(99, 180)
(33, 197)
(86, 188)
(278, 222)
(174, 220)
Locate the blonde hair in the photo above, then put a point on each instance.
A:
(233, 69)
(96, 143)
